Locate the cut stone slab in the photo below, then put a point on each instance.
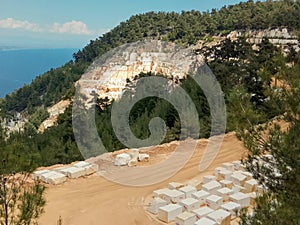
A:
(53, 177)
(89, 168)
(72, 172)
(202, 212)
(155, 204)
(36, 175)
(221, 216)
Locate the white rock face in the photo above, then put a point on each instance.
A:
(109, 74)
(278, 36)
(54, 112)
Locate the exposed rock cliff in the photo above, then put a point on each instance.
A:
(54, 112)
(280, 37)
(109, 74)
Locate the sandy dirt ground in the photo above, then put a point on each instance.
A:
(95, 200)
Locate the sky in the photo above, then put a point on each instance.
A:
(73, 23)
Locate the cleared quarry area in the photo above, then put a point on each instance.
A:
(93, 200)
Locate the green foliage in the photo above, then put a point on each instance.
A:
(280, 205)
(280, 174)
(245, 74)
(38, 116)
(147, 109)
(236, 63)
(20, 201)
(184, 28)
(241, 113)
(31, 204)
(29, 149)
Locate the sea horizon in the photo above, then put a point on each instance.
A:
(19, 66)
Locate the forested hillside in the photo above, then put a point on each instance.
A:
(245, 76)
(185, 28)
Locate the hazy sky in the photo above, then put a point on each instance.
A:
(73, 23)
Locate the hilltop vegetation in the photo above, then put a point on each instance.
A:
(184, 28)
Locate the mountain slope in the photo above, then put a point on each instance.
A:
(185, 28)
(243, 71)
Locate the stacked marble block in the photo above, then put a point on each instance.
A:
(60, 175)
(216, 200)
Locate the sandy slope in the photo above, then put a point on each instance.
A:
(97, 201)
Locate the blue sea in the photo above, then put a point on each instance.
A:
(19, 67)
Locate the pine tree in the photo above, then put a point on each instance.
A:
(21, 201)
(274, 159)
